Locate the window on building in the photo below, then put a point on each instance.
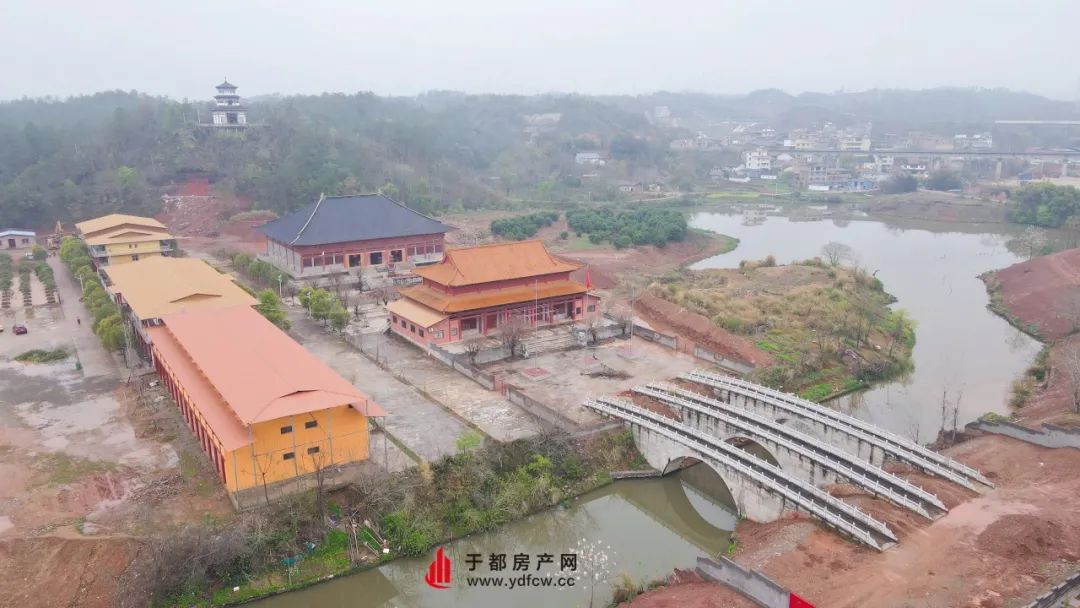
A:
(134, 257)
(307, 262)
(285, 430)
(591, 308)
(403, 323)
(26, 241)
(288, 456)
(421, 333)
(412, 328)
(393, 318)
(310, 424)
(453, 331)
(376, 258)
(577, 311)
(313, 450)
(396, 255)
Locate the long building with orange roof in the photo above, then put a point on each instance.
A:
(263, 408)
(474, 291)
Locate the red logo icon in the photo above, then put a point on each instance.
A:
(438, 572)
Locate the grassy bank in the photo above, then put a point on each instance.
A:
(997, 306)
(829, 328)
(309, 538)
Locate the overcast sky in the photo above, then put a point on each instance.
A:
(182, 48)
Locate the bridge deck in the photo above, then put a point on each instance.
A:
(896, 445)
(858, 471)
(836, 513)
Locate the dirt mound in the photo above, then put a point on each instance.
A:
(702, 330)
(1042, 292)
(1022, 536)
(62, 572)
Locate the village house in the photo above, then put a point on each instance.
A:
(476, 290)
(264, 409)
(120, 239)
(589, 158)
(17, 239)
(358, 234)
(150, 289)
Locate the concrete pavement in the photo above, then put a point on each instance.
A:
(418, 422)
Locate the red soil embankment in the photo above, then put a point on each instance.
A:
(1043, 292)
(701, 330)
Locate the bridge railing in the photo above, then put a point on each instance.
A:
(881, 483)
(838, 514)
(867, 427)
(920, 456)
(813, 442)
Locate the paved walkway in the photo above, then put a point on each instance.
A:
(487, 410)
(418, 422)
(96, 361)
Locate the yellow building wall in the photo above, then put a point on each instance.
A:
(120, 253)
(340, 436)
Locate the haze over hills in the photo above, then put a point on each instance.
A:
(110, 151)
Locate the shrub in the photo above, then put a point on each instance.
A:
(525, 226)
(42, 356)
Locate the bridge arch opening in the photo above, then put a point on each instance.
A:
(754, 448)
(699, 500)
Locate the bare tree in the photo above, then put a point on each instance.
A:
(264, 468)
(318, 469)
(836, 252)
(337, 285)
(472, 348)
(511, 332)
(1032, 240)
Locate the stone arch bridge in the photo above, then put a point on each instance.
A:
(811, 446)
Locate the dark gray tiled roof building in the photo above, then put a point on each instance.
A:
(350, 233)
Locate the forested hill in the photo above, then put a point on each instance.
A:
(84, 156)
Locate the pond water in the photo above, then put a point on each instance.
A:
(962, 349)
(645, 527)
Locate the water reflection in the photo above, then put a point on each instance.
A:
(651, 525)
(932, 269)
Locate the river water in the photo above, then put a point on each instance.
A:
(961, 349)
(647, 527)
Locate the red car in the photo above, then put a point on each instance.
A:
(19, 329)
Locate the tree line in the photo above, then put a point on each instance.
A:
(524, 226)
(1044, 204)
(625, 228)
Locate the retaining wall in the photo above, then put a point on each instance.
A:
(750, 583)
(1050, 436)
(716, 359)
(538, 409)
(655, 336)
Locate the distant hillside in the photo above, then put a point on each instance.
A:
(83, 156)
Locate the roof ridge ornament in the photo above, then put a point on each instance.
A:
(299, 233)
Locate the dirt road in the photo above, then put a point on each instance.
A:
(1000, 549)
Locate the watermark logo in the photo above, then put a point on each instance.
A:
(438, 574)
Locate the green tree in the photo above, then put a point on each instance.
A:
(110, 330)
(944, 180)
(270, 307)
(338, 316)
(320, 304)
(900, 183)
